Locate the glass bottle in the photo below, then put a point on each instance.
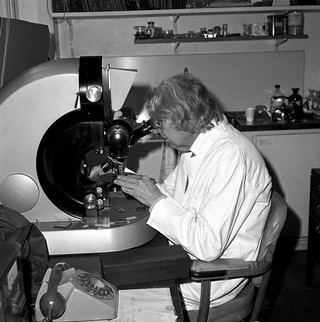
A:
(277, 98)
(295, 102)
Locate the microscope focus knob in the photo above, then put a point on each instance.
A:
(90, 201)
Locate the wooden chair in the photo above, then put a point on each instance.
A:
(246, 305)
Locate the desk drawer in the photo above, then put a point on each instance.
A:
(145, 265)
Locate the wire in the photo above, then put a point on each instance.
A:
(64, 12)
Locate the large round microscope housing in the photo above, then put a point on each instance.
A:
(57, 123)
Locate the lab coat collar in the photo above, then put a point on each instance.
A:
(206, 139)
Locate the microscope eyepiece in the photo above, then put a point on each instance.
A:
(119, 134)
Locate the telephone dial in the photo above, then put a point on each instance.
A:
(69, 294)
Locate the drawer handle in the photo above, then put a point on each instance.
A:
(318, 209)
(318, 229)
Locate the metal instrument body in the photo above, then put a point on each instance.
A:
(49, 145)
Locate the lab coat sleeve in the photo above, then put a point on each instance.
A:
(168, 185)
(224, 203)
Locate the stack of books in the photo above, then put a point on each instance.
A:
(115, 5)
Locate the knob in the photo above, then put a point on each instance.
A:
(90, 201)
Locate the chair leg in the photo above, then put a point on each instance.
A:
(204, 301)
(260, 297)
(177, 302)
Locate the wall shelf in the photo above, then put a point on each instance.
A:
(67, 21)
(182, 39)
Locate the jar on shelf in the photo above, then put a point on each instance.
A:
(139, 31)
(151, 30)
(217, 31)
(295, 23)
(277, 25)
(225, 30)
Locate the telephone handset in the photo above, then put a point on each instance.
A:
(52, 303)
(69, 294)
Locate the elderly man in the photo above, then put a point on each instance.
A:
(216, 201)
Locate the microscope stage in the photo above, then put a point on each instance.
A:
(123, 227)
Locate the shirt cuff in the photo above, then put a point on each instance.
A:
(157, 200)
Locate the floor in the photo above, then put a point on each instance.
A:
(287, 298)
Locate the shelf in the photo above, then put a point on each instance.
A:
(174, 15)
(183, 12)
(181, 39)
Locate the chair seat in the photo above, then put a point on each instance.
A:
(233, 311)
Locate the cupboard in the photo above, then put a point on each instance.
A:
(290, 155)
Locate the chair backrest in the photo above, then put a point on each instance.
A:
(273, 227)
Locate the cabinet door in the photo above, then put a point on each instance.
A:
(290, 158)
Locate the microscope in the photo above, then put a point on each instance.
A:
(70, 138)
(115, 134)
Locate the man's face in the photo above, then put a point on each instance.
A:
(179, 140)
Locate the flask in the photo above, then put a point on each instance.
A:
(277, 98)
(295, 102)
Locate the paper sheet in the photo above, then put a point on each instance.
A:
(145, 305)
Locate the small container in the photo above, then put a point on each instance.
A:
(264, 31)
(277, 25)
(140, 31)
(203, 30)
(168, 33)
(210, 33)
(225, 29)
(158, 31)
(295, 23)
(250, 111)
(246, 30)
(151, 30)
(255, 29)
(217, 31)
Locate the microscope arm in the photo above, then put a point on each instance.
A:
(119, 137)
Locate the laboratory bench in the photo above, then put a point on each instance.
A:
(238, 120)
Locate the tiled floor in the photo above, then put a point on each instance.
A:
(287, 298)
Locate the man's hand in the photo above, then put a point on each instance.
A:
(140, 187)
(96, 172)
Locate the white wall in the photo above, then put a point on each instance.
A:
(34, 11)
(113, 37)
(230, 76)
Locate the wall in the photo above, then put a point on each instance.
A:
(114, 37)
(224, 74)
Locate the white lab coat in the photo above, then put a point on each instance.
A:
(221, 210)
